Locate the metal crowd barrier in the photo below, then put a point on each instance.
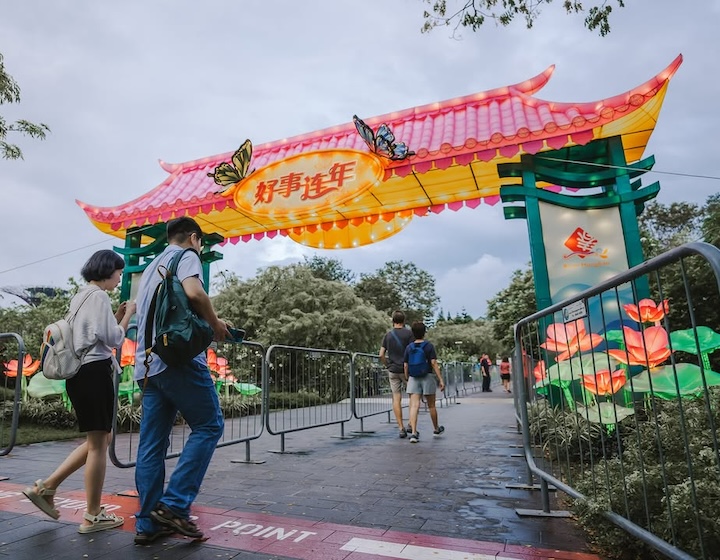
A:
(11, 397)
(306, 388)
(371, 393)
(619, 404)
(238, 373)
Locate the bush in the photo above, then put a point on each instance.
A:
(654, 487)
(564, 435)
(48, 413)
(279, 401)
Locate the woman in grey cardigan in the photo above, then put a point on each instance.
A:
(96, 331)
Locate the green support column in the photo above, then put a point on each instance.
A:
(600, 166)
(138, 257)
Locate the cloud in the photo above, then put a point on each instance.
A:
(180, 80)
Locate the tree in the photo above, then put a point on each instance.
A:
(29, 321)
(473, 13)
(329, 269)
(379, 292)
(400, 285)
(10, 93)
(405, 286)
(664, 227)
(711, 221)
(461, 342)
(512, 304)
(289, 305)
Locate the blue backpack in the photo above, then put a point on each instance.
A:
(418, 364)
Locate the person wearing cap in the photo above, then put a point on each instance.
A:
(188, 389)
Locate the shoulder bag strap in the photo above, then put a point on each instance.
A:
(396, 337)
(70, 318)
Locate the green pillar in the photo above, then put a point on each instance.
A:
(138, 257)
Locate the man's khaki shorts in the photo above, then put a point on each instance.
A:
(397, 380)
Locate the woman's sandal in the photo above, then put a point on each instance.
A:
(36, 494)
(100, 522)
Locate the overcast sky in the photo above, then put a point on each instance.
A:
(124, 84)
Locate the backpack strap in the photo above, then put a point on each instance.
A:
(150, 323)
(71, 319)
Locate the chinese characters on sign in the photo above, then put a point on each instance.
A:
(310, 187)
(311, 183)
(582, 244)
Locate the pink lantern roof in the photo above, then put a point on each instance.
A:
(490, 127)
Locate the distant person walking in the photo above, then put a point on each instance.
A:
(485, 370)
(392, 351)
(420, 382)
(96, 330)
(505, 373)
(167, 390)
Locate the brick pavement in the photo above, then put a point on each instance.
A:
(365, 498)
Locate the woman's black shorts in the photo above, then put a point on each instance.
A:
(92, 394)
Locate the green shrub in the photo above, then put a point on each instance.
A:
(279, 401)
(660, 478)
(128, 417)
(564, 435)
(47, 412)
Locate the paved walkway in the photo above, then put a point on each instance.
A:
(367, 498)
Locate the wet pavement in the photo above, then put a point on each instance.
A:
(327, 498)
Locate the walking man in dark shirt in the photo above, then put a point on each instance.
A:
(392, 351)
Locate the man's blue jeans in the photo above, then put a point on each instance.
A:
(191, 391)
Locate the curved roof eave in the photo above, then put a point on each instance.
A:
(496, 114)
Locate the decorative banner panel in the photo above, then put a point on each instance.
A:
(582, 247)
(308, 184)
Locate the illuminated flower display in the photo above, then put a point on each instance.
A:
(539, 371)
(127, 353)
(604, 383)
(648, 348)
(29, 367)
(568, 339)
(647, 311)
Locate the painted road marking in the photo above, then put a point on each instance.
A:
(297, 538)
(412, 552)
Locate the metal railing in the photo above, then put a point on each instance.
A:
(238, 373)
(371, 394)
(11, 397)
(616, 392)
(306, 388)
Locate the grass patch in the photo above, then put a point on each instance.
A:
(34, 433)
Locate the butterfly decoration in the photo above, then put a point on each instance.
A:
(382, 142)
(228, 174)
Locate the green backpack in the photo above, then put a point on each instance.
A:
(180, 334)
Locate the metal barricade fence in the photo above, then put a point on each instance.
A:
(616, 393)
(306, 388)
(11, 398)
(371, 393)
(238, 373)
(472, 382)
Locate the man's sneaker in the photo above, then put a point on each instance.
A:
(439, 431)
(414, 438)
(403, 433)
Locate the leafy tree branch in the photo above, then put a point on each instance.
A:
(474, 13)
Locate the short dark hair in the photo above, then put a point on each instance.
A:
(398, 317)
(102, 265)
(418, 329)
(180, 229)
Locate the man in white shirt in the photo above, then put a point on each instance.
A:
(167, 390)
